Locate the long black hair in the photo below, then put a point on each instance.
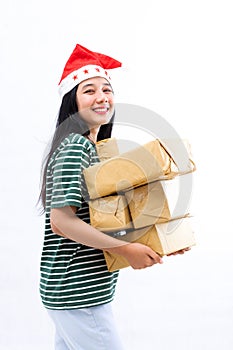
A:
(69, 121)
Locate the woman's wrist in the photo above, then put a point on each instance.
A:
(120, 249)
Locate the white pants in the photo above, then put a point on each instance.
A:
(91, 328)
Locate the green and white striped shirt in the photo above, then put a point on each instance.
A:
(72, 275)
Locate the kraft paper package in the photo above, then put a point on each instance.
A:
(180, 150)
(110, 213)
(156, 202)
(164, 239)
(137, 167)
(175, 235)
(107, 148)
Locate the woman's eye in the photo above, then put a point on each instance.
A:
(88, 91)
(107, 90)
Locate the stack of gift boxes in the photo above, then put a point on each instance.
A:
(134, 195)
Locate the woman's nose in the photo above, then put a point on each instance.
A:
(101, 96)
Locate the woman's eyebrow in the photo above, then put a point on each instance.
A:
(86, 85)
(90, 84)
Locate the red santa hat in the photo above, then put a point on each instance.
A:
(84, 64)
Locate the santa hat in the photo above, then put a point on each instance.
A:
(84, 64)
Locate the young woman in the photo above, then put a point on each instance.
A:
(76, 287)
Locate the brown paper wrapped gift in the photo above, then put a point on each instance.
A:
(164, 238)
(107, 148)
(175, 235)
(180, 151)
(155, 202)
(110, 213)
(137, 167)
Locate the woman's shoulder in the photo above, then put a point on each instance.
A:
(73, 145)
(75, 139)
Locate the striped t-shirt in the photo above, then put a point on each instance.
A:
(72, 275)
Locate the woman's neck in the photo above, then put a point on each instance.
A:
(93, 134)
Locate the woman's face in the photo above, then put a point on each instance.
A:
(94, 98)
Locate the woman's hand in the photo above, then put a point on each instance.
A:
(182, 251)
(138, 255)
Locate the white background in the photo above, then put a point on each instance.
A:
(177, 58)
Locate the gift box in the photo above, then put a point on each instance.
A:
(110, 213)
(156, 202)
(180, 150)
(175, 235)
(137, 167)
(107, 148)
(164, 239)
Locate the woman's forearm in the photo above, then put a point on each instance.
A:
(65, 223)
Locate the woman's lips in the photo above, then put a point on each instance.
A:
(101, 110)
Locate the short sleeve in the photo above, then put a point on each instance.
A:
(67, 181)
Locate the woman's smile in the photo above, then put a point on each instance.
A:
(101, 109)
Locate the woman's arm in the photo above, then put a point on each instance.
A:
(65, 223)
